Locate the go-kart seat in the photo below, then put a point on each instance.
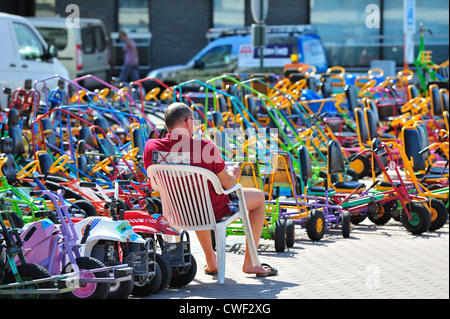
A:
(307, 174)
(336, 167)
(372, 126)
(138, 141)
(413, 145)
(15, 133)
(86, 135)
(434, 170)
(47, 126)
(105, 146)
(9, 167)
(82, 160)
(45, 162)
(436, 102)
(363, 132)
(352, 98)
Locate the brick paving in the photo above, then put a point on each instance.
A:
(375, 262)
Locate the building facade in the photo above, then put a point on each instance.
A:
(354, 32)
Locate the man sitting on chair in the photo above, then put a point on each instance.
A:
(178, 147)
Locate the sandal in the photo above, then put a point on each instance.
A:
(210, 272)
(273, 271)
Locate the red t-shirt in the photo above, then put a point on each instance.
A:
(187, 151)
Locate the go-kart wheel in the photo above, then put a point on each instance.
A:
(121, 289)
(280, 235)
(186, 278)
(346, 224)
(315, 225)
(290, 233)
(149, 288)
(380, 218)
(29, 272)
(439, 214)
(86, 206)
(166, 271)
(360, 164)
(420, 219)
(95, 290)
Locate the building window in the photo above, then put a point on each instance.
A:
(349, 33)
(433, 15)
(45, 8)
(134, 16)
(229, 13)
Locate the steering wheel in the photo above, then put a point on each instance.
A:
(58, 166)
(131, 155)
(120, 94)
(152, 94)
(380, 73)
(340, 70)
(103, 165)
(166, 94)
(401, 119)
(28, 170)
(101, 95)
(308, 70)
(408, 74)
(78, 97)
(412, 105)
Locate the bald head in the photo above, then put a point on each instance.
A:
(176, 114)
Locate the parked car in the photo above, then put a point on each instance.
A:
(25, 56)
(84, 50)
(232, 51)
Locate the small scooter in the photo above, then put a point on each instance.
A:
(20, 279)
(113, 239)
(54, 246)
(176, 263)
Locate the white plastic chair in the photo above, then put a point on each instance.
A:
(187, 205)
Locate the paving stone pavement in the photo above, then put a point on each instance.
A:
(375, 262)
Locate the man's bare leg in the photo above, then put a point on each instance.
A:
(204, 237)
(255, 201)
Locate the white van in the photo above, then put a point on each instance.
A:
(84, 50)
(229, 53)
(25, 57)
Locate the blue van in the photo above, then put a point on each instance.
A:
(235, 53)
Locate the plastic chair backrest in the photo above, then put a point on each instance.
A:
(185, 195)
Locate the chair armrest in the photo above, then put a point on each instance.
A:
(235, 187)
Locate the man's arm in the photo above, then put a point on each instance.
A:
(229, 176)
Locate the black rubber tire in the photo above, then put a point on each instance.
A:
(280, 235)
(102, 289)
(290, 233)
(86, 206)
(31, 272)
(122, 289)
(346, 224)
(364, 164)
(421, 218)
(439, 214)
(314, 231)
(151, 287)
(381, 219)
(185, 279)
(166, 271)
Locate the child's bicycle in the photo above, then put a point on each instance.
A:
(20, 279)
